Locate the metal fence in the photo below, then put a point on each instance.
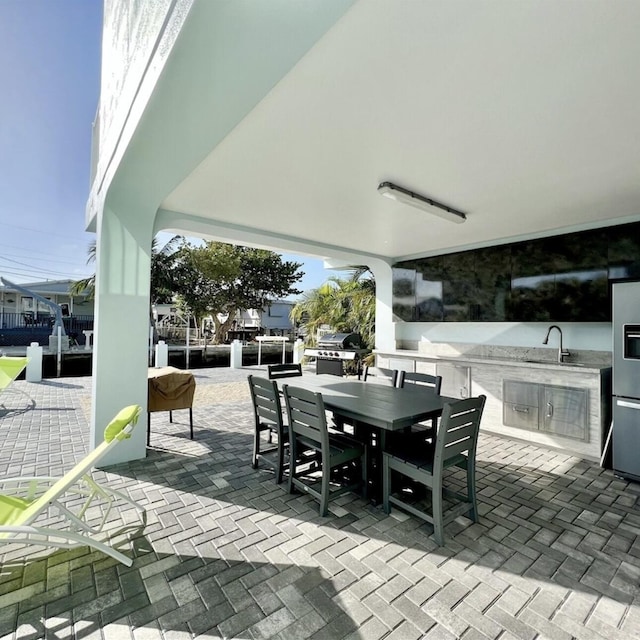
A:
(21, 329)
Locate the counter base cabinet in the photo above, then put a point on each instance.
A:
(456, 380)
(518, 398)
(561, 411)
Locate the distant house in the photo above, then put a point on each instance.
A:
(14, 301)
(273, 321)
(25, 319)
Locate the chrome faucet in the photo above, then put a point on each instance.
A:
(562, 353)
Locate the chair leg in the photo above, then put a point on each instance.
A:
(191, 421)
(386, 484)
(148, 428)
(436, 507)
(280, 463)
(471, 489)
(170, 416)
(292, 461)
(326, 484)
(256, 448)
(364, 461)
(324, 494)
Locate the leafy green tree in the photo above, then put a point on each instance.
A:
(344, 304)
(222, 279)
(216, 279)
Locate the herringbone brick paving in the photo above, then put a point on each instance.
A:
(228, 554)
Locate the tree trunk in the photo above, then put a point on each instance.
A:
(221, 328)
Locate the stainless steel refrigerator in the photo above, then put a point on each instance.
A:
(626, 380)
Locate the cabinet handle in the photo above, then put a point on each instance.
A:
(629, 405)
(549, 410)
(521, 409)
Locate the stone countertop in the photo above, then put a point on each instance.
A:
(532, 362)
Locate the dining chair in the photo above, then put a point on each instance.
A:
(380, 375)
(308, 431)
(285, 370)
(268, 415)
(454, 446)
(420, 379)
(428, 381)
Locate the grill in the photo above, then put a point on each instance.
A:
(334, 349)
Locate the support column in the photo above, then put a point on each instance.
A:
(385, 327)
(120, 347)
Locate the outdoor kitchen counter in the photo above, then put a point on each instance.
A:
(496, 375)
(515, 361)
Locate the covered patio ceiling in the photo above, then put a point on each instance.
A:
(524, 115)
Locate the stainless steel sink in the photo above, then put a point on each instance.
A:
(550, 362)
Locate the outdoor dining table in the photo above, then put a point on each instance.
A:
(376, 408)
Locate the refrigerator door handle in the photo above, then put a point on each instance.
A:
(628, 404)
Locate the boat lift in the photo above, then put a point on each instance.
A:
(58, 340)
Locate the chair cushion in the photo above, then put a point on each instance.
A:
(122, 419)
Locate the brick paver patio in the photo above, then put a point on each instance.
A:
(228, 554)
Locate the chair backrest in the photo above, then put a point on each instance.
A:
(458, 431)
(381, 376)
(10, 369)
(307, 417)
(421, 379)
(117, 430)
(288, 370)
(267, 407)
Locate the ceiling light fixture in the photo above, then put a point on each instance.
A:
(393, 191)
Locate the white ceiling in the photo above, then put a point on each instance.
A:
(525, 115)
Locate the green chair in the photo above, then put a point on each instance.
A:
(76, 498)
(335, 453)
(380, 375)
(454, 446)
(10, 369)
(267, 412)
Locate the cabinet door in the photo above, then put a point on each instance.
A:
(626, 438)
(520, 406)
(456, 380)
(402, 364)
(521, 416)
(564, 412)
(517, 392)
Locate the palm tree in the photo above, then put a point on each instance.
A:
(162, 262)
(86, 286)
(345, 304)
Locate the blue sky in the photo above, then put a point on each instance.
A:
(50, 79)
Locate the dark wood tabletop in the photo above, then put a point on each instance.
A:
(374, 404)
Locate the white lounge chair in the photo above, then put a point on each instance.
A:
(76, 497)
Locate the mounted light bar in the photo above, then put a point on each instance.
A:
(393, 191)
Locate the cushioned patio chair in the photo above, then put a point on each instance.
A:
(267, 411)
(454, 446)
(10, 369)
(308, 432)
(76, 499)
